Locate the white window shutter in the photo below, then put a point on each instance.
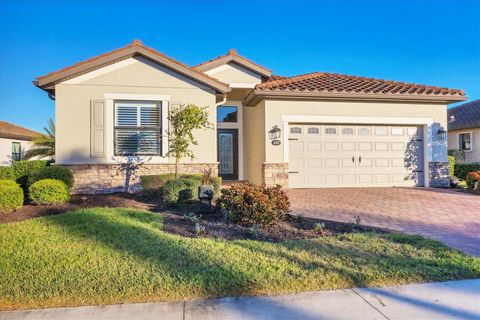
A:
(164, 127)
(97, 129)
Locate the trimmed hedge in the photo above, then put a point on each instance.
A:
(462, 169)
(53, 172)
(7, 173)
(152, 182)
(180, 190)
(25, 168)
(49, 191)
(249, 204)
(451, 161)
(11, 196)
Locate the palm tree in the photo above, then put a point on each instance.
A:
(44, 145)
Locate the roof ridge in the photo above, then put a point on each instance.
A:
(231, 53)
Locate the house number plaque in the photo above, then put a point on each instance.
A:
(276, 142)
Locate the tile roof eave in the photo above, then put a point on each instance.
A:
(256, 95)
(47, 81)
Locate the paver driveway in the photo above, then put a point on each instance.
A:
(445, 215)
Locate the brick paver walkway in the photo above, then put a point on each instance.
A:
(445, 215)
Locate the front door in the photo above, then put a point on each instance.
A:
(227, 150)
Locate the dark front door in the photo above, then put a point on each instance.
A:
(227, 150)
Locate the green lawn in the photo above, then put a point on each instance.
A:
(96, 256)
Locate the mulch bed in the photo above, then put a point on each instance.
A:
(295, 227)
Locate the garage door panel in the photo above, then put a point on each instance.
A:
(332, 163)
(296, 145)
(348, 163)
(348, 146)
(382, 162)
(381, 146)
(383, 155)
(331, 146)
(314, 162)
(364, 146)
(314, 146)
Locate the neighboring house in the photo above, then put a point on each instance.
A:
(14, 142)
(307, 131)
(464, 131)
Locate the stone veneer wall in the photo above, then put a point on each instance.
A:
(439, 174)
(110, 178)
(275, 173)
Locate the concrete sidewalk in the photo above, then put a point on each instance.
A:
(444, 300)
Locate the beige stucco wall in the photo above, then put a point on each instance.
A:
(135, 77)
(254, 142)
(233, 73)
(274, 109)
(470, 156)
(6, 150)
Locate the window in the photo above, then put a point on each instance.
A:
(364, 132)
(16, 151)
(330, 131)
(313, 130)
(227, 114)
(347, 131)
(397, 131)
(296, 130)
(381, 131)
(465, 141)
(137, 128)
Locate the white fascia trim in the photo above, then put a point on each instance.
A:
(356, 120)
(218, 69)
(242, 85)
(101, 71)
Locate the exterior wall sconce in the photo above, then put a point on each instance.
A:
(274, 134)
(441, 134)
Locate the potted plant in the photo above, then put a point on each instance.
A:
(205, 190)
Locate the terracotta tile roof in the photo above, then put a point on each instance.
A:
(11, 131)
(340, 83)
(464, 116)
(135, 44)
(232, 55)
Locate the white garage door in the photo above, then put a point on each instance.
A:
(323, 155)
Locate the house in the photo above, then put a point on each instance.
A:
(308, 131)
(464, 131)
(14, 142)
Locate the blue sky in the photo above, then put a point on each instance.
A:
(430, 41)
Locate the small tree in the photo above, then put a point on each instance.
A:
(44, 145)
(183, 120)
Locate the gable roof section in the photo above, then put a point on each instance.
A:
(233, 56)
(12, 131)
(464, 116)
(323, 85)
(136, 48)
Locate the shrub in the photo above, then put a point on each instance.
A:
(7, 173)
(153, 182)
(25, 168)
(249, 204)
(11, 196)
(472, 179)
(53, 172)
(462, 169)
(49, 191)
(180, 190)
(451, 161)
